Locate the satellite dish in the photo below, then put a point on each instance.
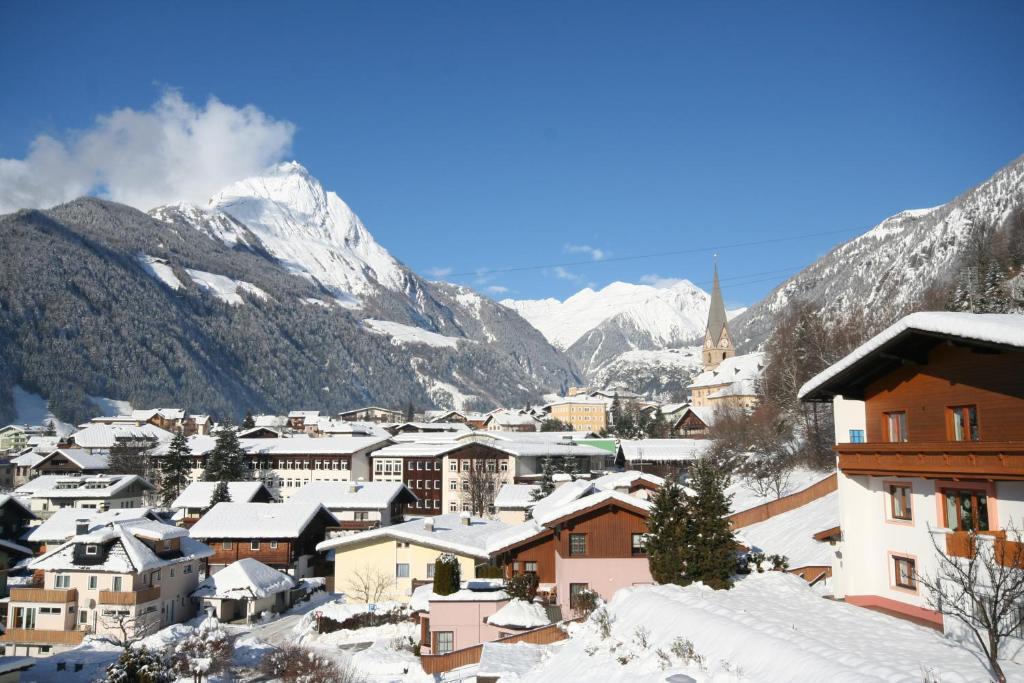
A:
(92, 604)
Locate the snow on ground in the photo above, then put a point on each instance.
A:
(769, 627)
(407, 334)
(111, 407)
(159, 269)
(32, 409)
(792, 533)
(225, 288)
(743, 498)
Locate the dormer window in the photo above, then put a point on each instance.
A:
(92, 549)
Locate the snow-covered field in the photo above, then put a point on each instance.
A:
(744, 498)
(32, 409)
(792, 533)
(770, 627)
(225, 288)
(407, 334)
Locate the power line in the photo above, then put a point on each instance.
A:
(635, 257)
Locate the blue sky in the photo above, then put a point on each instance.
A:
(473, 135)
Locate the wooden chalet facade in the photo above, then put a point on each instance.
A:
(939, 452)
(372, 414)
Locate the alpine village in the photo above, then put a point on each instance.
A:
(244, 442)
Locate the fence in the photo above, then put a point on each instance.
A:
(785, 504)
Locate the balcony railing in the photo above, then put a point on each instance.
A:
(1006, 552)
(41, 637)
(60, 596)
(983, 459)
(136, 597)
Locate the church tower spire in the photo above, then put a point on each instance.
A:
(717, 340)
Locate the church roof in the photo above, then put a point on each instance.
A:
(716, 314)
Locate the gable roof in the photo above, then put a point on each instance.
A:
(102, 435)
(17, 504)
(127, 554)
(515, 496)
(246, 579)
(591, 502)
(46, 485)
(63, 523)
(907, 339)
(663, 450)
(198, 493)
(745, 370)
(258, 520)
(82, 458)
(368, 495)
(448, 533)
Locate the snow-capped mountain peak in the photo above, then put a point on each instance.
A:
(311, 230)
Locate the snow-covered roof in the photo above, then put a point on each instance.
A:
(705, 414)
(101, 435)
(128, 554)
(306, 414)
(28, 459)
(351, 495)
(1001, 329)
(475, 590)
(745, 368)
(586, 503)
(663, 449)
(515, 496)
(792, 533)
(63, 523)
(616, 480)
(512, 418)
(563, 494)
(84, 459)
(198, 493)
(11, 664)
(579, 399)
(431, 448)
(257, 520)
(448, 533)
(246, 579)
(299, 444)
(433, 426)
(7, 499)
(85, 486)
(12, 547)
(511, 661)
(519, 614)
(270, 420)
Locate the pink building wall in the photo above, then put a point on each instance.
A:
(604, 575)
(465, 619)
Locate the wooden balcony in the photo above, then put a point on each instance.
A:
(136, 597)
(945, 460)
(1007, 553)
(60, 596)
(37, 636)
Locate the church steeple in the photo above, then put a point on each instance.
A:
(717, 341)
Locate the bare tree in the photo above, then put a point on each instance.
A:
(984, 591)
(368, 584)
(482, 483)
(124, 629)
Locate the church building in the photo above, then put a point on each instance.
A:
(728, 380)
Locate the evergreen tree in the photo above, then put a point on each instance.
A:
(547, 479)
(175, 469)
(221, 494)
(446, 574)
(227, 460)
(666, 527)
(124, 460)
(658, 427)
(710, 547)
(410, 412)
(993, 297)
(572, 467)
(249, 422)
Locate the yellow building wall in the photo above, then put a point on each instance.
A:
(381, 557)
(582, 416)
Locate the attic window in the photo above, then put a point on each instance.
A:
(92, 549)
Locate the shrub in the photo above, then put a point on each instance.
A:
(446, 574)
(522, 586)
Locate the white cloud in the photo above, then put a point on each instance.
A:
(437, 271)
(175, 151)
(563, 274)
(497, 289)
(659, 281)
(593, 252)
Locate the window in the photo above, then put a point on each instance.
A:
(900, 506)
(254, 545)
(966, 510)
(444, 642)
(530, 567)
(453, 466)
(361, 515)
(504, 466)
(964, 423)
(430, 570)
(856, 436)
(437, 504)
(83, 617)
(906, 572)
(453, 485)
(188, 569)
(577, 544)
(93, 582)
(115, 585)
(896, 427)
(402, 571)
(62, 581)
(92, 549)
(638, 544)
(273, 545)
(574, 593)
(230, 545)
(453, 506)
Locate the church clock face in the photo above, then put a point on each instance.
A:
(725, 343)
(708, 344)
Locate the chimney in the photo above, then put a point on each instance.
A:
(81, 527)
(464, 518)
(353, 487)
(428, 524)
